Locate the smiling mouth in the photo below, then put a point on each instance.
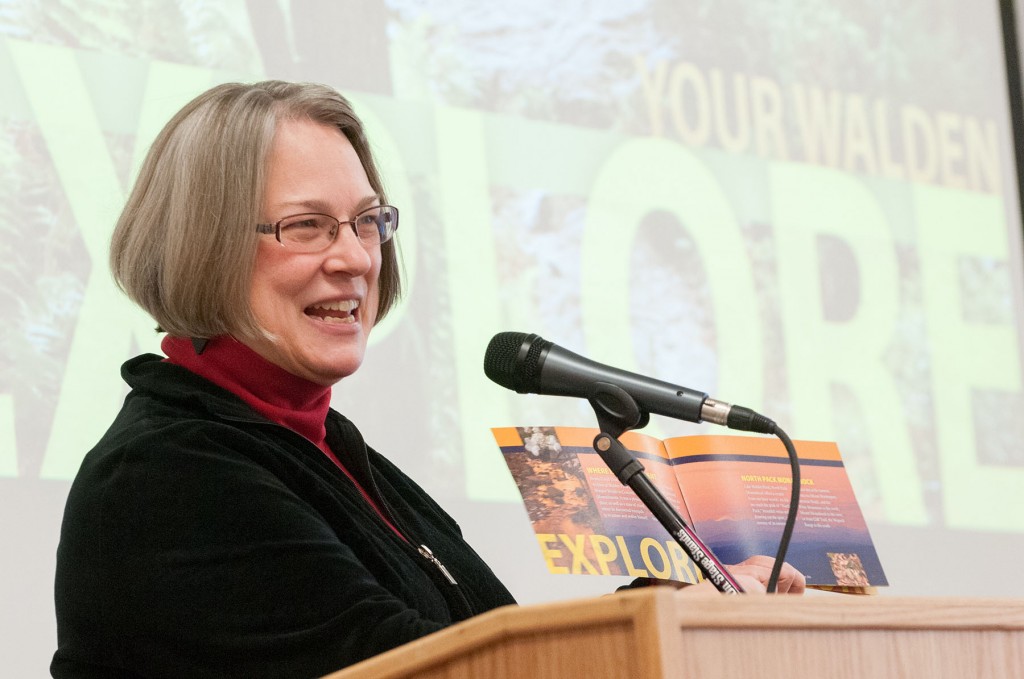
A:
(334, 312)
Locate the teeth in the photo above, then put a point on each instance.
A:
(335, 312)
(339, 319)
(344, 305)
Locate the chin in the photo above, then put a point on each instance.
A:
(335, 372)
(333, 360)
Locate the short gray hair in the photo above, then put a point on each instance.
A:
(185, 244)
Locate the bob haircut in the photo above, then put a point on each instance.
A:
(185, 244)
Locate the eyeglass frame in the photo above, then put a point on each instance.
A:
(275, 228)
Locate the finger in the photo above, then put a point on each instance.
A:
(791, 581)
(795, 582)
(757, 566)
(750, 584)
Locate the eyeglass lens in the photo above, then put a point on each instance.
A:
(311, 232)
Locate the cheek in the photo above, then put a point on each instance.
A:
(261, 304)
(373, 287)
(273, 282)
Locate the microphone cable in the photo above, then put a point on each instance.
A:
(745, 419)
(794, 507)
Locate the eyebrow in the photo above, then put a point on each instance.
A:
(322, 207)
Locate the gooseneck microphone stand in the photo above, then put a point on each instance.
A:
(617, 413)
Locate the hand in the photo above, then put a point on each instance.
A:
(752, 575)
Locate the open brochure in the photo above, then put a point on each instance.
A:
(733, 491)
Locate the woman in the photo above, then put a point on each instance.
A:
(229, 522)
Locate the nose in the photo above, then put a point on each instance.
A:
(347, 254)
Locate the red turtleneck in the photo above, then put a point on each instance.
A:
(270, 390)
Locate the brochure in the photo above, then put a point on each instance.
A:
(733, 491)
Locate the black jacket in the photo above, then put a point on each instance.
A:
(202, 540)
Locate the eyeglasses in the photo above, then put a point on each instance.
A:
(314, 232)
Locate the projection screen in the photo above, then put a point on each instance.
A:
(807, 208)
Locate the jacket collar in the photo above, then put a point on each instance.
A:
(154, 374)
(270, 390)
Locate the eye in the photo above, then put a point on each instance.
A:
(367, 219)
(368, 224)
(306, 227)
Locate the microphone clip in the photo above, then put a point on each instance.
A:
(617, 412)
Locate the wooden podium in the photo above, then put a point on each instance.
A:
(657, 632)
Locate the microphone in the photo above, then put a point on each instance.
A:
(529, 364)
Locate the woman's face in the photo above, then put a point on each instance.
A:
(319, 307)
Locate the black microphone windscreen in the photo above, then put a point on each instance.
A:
(500, 357)
(514, 360)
